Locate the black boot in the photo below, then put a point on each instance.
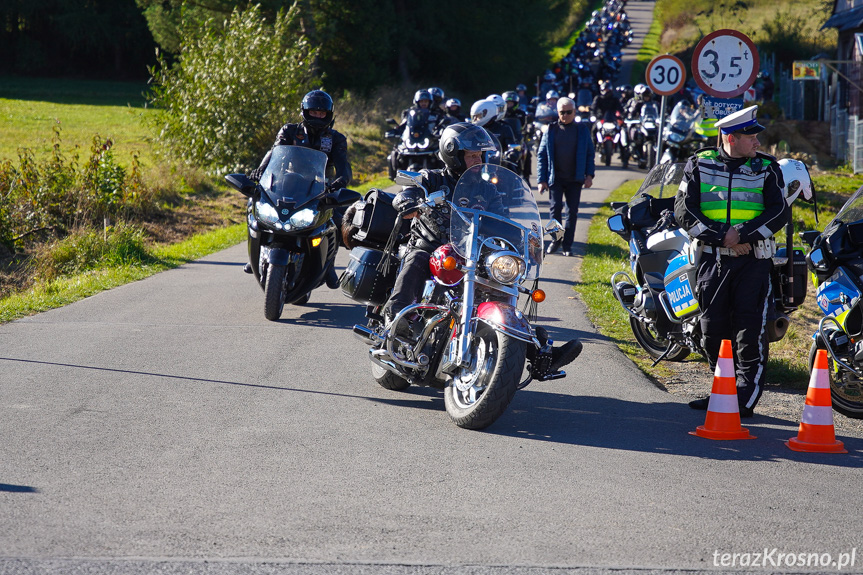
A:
(332, 278)
(565, 354)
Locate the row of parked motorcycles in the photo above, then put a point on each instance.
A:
(658, 292)
(466, 335)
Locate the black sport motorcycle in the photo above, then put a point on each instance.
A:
(466, 334)
(416, 145)
(292, 239)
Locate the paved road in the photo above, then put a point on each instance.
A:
(167, 427)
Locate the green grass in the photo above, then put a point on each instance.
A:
(30, 108)
(63, 291)
(649, 49)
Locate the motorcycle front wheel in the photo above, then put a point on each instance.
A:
(274, 292)
(846, 389)
(607, 152)
(649, 154)
(481, 392)
(654, 344)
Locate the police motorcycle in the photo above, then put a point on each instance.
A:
(466, 334)
(835, 259)
(680, 138)
(659, 296)
(292, 239)
(416, 144)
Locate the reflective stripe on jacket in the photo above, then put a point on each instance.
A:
(727, 196)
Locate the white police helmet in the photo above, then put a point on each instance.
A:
(797, 180)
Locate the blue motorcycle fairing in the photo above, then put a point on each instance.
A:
(829, 294)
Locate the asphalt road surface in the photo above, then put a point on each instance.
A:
(166, 427)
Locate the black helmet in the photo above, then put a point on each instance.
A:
(321, 101)
(422, 95)
(521, 88)
(459, 138)
(437, 95)
(510, 96)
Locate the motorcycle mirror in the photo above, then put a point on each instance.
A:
(242, 183)
(816, 258)
(405, 178)
(616, 224)
(554, 229)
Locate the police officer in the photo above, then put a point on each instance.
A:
(731, 200)
(462, 146)
(316, 132)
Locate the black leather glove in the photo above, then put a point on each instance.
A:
(407, 200)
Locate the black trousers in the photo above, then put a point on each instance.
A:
(410, 281)
(735, 294)
(571, 192)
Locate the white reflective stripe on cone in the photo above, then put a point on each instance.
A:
(817, 415)
(725, 367)
(723, 403)
(821, 379)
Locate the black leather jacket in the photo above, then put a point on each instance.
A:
(329, 141)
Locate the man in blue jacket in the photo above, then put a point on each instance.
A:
(564, 166)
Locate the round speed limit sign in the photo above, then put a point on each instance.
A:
(665, 75)
(725, 63)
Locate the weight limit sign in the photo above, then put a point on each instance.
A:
(725, 63)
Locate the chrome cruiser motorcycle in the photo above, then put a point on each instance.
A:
(659, 296)
(466, 334)
(291, 235)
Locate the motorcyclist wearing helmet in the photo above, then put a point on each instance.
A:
(523, 98)
(423, 100)
(437, 104)
(316, 132)
(517, 120)
(453, 111)
(488, 114)
(462, 146)
(605, 106)
(549, 82)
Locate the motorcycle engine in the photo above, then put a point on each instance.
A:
(644, 304)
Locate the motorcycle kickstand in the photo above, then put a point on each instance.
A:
(664, 353)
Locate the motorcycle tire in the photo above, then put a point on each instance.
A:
(274, 292)
(650, 154)
(847, 396)
(607, 151)
(494, 375)
(303, 300)
(389, 380)
(654, 344)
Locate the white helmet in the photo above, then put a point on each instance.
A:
(501, 105)
(482, 112)
(797, 180)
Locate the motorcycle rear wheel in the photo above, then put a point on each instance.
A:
(490, 381)
(847, 394)
(389, 380)
(654, 344)
(274, 292)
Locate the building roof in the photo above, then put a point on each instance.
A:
(845, 20)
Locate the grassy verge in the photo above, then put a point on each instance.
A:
(63, 291)
(649, 49)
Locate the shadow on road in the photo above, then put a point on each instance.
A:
(611, 423)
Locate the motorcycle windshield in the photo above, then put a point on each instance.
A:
(662, 181)
(545, 114)
(852, 211)
(295, 175)
(416, 135)
(479, 215)
(683, 114)
(649, 112)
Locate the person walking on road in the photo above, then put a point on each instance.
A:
(731, 200)
(565, 165)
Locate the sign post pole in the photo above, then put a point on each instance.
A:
(665, 75)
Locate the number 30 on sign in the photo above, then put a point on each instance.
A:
(665, 75)
(725, 63)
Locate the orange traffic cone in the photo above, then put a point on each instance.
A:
(723, 411)
(816, 433)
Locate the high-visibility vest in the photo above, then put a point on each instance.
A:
(727, 196)
(707, 127)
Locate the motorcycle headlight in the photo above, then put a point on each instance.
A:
(608, 126)
(267, 213)
(303, 218)
(505, 268)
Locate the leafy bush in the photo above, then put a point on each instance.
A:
(86, 250)
(231, 88)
